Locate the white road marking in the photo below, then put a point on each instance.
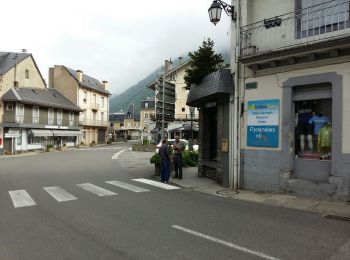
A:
(96, 190)
(228, 244)
(21, 198)
(116, 156)
(157, 184)
(126, 186)
(94, 149)
(59, 194)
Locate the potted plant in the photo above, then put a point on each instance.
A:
(155, 159)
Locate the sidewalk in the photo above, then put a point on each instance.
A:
(190, 180)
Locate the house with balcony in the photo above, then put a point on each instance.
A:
(182, 112)
(294, 86)
(127, 125)
(90, 95)
(17, 70)
(34, 118)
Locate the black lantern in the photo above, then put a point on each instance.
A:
(216, 8)
(215, 12)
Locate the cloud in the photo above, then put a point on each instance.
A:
(117, 41)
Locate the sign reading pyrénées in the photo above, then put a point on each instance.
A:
(263, 123)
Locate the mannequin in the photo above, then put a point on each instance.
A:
(303, 127)
(318, 121)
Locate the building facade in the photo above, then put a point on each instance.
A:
(38, 118)
(294, 85)
(90, 95)
(147, 113)
(16, 70)
(182, 112)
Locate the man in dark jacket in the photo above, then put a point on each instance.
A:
(178, 147)
(165, 153)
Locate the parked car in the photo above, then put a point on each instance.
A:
(172, 141)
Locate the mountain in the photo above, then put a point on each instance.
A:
(140, 91)
(135, 93)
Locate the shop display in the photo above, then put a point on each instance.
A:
(313, 132)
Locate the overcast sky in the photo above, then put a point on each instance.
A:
(118, 41)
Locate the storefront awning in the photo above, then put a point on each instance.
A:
(40, 132)
(67, 133)
(218, 83)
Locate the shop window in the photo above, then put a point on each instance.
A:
(313, 129)
(35, 140)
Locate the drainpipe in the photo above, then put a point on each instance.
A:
(236, 121)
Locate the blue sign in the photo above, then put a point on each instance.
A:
(263, 123)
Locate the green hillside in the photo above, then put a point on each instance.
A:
(135, 93)
(139, 91)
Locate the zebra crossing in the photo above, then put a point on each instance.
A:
(21, 198)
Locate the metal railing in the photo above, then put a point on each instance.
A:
(305, 26)
(37, 120)
(95, 106)
(186, 117)
(91, 122)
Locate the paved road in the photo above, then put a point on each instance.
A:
(86, 205)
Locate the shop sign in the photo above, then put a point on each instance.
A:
(263, 123)
(210, 104)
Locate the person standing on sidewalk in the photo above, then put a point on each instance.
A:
(178, 147)
(165, 153)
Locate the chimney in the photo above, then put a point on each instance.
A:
(51, 77)
(180, 61)
(167, 66)
(105, 84)
(79, 75)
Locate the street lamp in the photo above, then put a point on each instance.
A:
(234, 138)
(216, 8)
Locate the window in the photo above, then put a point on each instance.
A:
(102, 102)
(102, 116)
(94, 100)
(34, 140)
(146, 105)
(85, 96)
(26, 74)
(71, 118)
(9, 106)
(146, 115)
(35, 115)
(183, 109)
(313, 129)
(19, 113)
(59, 117)
(321, 16)
(15, 84)
(19, 139)
(50, 116)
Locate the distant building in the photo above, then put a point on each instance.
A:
(17, 70)
(182, 116)
(127, 125)
(35, 118)
(90, 95)
(147, 113)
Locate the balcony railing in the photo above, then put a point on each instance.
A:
(91, 122)
(95, 106)
(37, 120)
(314, 24)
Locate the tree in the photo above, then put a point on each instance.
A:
(204, 62)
